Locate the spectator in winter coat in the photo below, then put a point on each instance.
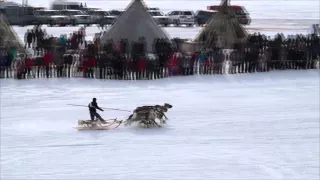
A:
(38, 59)
(100, 63)
(40, 38)
(142, 66)
(172, 64)
(92, 61)
(79, 36)
(74, 42)
(2, 64)
(38, 62)
(68, 60)
(20, 66)
(2, 58)
(33, 38)
(29, 38)
(130, 65)
(47, 59)
(58, 61)
(88, 63)
(202, 57)
(150, 68)
(62, 41)
(28, 64)
(11, 55)
(186, 66)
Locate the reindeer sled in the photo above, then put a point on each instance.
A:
(147, 116)
(98, 124)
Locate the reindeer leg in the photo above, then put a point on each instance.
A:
(164, 116)
(155, 123)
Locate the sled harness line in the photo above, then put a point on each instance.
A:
(101, 107)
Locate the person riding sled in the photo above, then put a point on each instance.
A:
(93, 106)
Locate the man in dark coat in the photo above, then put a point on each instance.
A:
(93, 106)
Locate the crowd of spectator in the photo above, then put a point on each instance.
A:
(74, 56)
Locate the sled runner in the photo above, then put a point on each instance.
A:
(91, 128)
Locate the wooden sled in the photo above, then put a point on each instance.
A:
(98, 125)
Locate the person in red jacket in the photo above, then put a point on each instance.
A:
(47, 60)
(92, 61)
(172, 64)
(118, 47)
(28, 64)
(141, 65)
(84, 65)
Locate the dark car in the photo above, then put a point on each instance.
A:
(113, 16)
(153, 9)
(241, 13)
(203, 16)
(97, 15)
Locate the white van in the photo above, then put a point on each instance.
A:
(182, 18)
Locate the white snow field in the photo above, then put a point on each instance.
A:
(248, 126)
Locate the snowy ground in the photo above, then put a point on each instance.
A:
(254, 126)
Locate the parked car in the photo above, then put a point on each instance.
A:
(241, 13)
(109, 20)
(52, 17)
(116, 12)
(17, 14)
(178, 18)
(77, 17)
(113, 16)
(103, 17)
(63, 4)
(153, 9)
(160, 18)
(97, 16)
(86, 9)
(204, 16)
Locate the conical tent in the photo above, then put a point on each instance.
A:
(134, 23)
(8, 36)
(223, 30)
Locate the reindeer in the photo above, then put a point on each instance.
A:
(148, 114)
